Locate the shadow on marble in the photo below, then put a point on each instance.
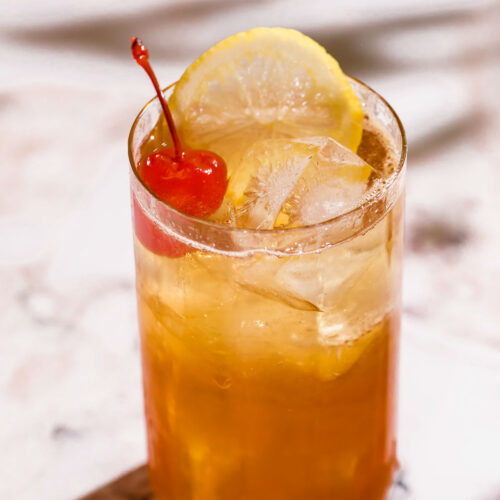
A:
(104, 34)
(362, 50)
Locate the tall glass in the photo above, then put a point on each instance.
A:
(270, 356)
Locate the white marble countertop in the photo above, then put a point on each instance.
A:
(70, 391)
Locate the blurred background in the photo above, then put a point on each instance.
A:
(70, 392)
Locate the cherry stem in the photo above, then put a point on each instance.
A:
(141, 56)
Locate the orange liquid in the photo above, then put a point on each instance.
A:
(276, 435)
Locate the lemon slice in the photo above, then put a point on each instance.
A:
(260, 84)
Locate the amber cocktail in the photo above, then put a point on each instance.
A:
(270, 355)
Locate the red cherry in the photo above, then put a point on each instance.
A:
(192, 181)
(195, 184)
(152, 237)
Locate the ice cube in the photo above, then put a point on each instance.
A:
(266, 177)
(296, 182)
(347, 288)
(334, 182)
(314, 282)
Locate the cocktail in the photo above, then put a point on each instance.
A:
(269, 298)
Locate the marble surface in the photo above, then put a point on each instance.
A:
(70, 392)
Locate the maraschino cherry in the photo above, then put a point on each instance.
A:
(192, 181)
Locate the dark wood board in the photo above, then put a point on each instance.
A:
(133, 485)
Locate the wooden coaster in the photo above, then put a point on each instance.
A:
(133, 485)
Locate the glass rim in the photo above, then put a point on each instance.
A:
(363, 205)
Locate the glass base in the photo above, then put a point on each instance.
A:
(399, 489)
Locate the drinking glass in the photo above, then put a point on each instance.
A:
(270, 356)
